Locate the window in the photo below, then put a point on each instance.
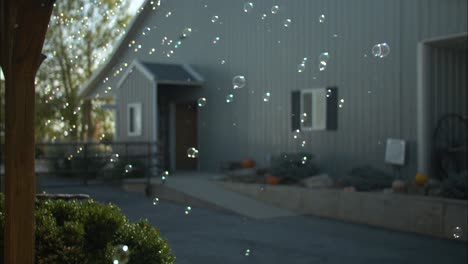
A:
(315, 109)
(134, 119)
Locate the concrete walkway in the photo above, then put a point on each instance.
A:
(200, 186)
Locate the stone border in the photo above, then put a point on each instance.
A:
(417, 214)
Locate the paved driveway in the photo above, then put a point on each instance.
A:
(206, 236)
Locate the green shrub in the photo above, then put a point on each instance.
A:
(368, 178)
(456, 185)
(292, 167)
(74, 232)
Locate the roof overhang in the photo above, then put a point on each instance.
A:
(152, 75)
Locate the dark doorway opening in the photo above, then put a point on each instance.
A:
(186, 135)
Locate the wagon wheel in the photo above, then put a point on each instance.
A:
(450, 144)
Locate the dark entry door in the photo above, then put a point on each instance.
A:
(186, 135)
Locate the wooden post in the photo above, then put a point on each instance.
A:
(23, 28)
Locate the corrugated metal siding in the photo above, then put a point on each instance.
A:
(448, 83)
(136, 89)
(380, 95)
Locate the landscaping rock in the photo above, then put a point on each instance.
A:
(318, 181)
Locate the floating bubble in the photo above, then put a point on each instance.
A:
(201, 102)
(216, 40)
(303, 143)
(120, 254)
(186, 32)
(214, 19)
(322, 18)
(296, 134)
(287, 22)
(223, 62)
(303, 117)
(238, 82)
(168, 14)
(229, 98)
(188, 210)
(247, 252)
(266, 97)
(381, 50)
(263, 16)
(457, 232)
(301, 67)
(192, 153)
(275, 9)
(155, 201)
(128, 168)
(248, 6)
(114, 157)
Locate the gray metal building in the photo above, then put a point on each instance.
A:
(379, 97)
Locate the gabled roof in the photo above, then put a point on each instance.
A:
(165, 73)
(119, 47)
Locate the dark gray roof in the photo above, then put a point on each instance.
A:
(171, 72)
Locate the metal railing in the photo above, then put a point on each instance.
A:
(109, 161)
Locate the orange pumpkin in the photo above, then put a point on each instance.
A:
(420, 179)
(272, 180)
(248, 163)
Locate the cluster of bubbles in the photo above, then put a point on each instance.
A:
(457, 232)
(324, 57)
(120, 254)
(302, 66)
(192, 153)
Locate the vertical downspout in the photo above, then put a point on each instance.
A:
(423, 111)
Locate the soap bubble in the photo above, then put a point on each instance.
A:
(266, 97)
(287, 22)
(188, 210)
(229, 98)
(120, 254)
(155, 201)
(215, 40)
(247, 252)
(275, 9)
(322, 18)
(186, 32)
(248, 6)
(214, 19)
(192, 153)
(296, 134)
(128, 168)
(238, 82)
(114, 157)
(301, 67)
(381, 50)
(457, 232)
(201, 102)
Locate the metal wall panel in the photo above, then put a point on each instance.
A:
(379, 94)
(136, 88)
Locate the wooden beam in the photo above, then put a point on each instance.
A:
(23, 29)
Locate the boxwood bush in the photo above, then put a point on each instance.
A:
(86, 232)
(293, 167)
